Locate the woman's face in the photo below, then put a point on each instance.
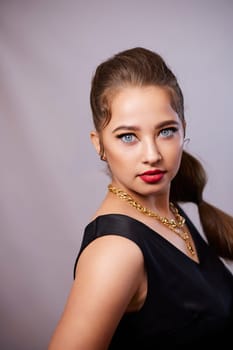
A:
(143, 141)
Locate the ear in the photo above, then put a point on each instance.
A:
(95, 139)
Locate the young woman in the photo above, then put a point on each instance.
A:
(144, 277)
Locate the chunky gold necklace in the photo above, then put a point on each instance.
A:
(175, 225)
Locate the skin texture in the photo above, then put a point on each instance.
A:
(148, 116)
(143, 134)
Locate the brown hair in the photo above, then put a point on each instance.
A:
(142, 67)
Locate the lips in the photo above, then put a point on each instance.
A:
(152, 176)
(153, 172)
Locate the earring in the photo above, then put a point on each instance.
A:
(187, 140)
(103, 157)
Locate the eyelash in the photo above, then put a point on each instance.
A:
(121, 136)
(171, 129)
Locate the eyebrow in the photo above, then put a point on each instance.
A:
(136, 128)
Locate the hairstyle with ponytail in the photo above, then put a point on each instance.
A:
(142, 67)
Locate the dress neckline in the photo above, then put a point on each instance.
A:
(189, 224)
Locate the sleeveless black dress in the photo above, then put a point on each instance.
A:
(188, 304)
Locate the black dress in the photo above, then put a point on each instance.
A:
(188, 304)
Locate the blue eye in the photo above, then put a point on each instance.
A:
(127, 138)
(168, 132)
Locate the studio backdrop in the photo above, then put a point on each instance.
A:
(51, 179)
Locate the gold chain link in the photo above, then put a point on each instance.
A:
(175, 225)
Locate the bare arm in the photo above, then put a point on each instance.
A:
(108, 275)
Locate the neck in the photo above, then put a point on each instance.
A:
(176, 219)
(159, 202)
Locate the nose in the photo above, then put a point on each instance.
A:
(151, 153)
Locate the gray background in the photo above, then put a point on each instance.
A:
(51, 180)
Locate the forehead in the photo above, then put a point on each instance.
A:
(141, 101)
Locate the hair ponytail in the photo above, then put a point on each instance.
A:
(188, 186)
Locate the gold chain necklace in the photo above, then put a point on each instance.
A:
(175, 225)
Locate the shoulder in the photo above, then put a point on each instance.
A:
(110, 252)
(115, 224)
(110, 235)
(114, 264)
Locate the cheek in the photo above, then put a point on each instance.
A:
(118, 152)
(174, 155)
(178, 154)
(114, 156)
(177, 160)
(172, 150)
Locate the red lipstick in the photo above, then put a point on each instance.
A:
(152, 176)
